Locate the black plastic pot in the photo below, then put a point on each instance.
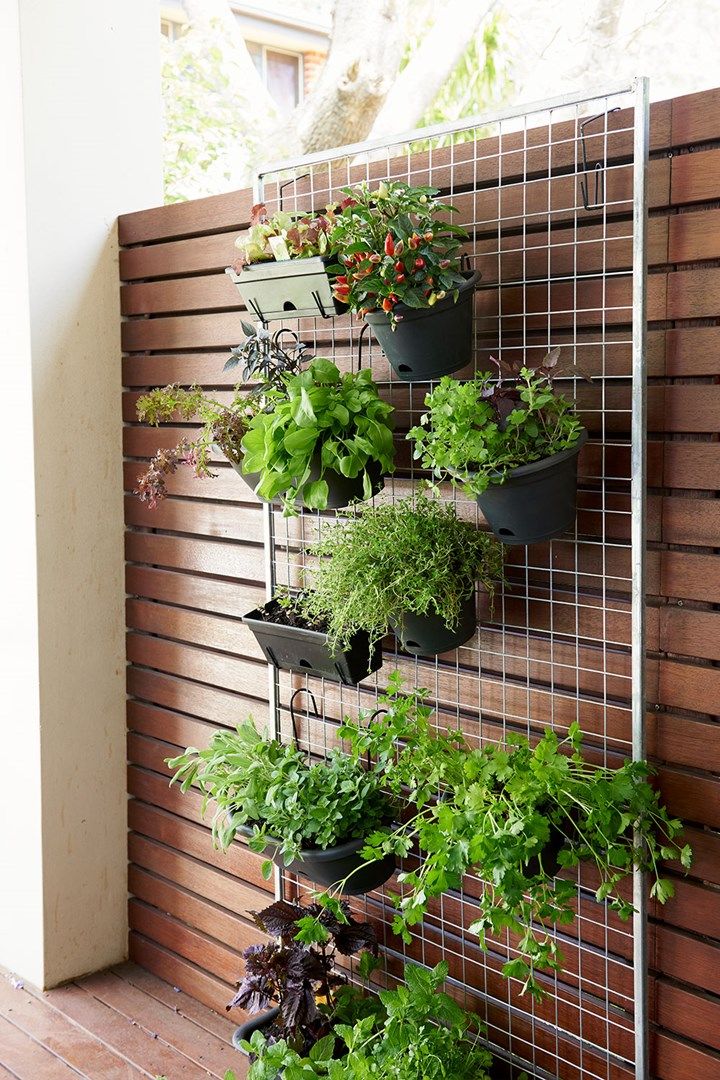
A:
(429, 342)
(296, 648)
(262, 1020)
(535, 502)
(427, 635)
(334, 864)
(342, 490)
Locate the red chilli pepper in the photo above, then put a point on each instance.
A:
(400, 267)
(389, 245)
(419, 263)
(387, 304)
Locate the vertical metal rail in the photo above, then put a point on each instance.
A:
(638, 487)
(270, 584)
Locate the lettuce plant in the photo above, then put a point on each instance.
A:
(322, 420)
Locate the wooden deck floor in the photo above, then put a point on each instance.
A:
(122, 1024)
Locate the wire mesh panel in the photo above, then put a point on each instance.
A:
(553, 200)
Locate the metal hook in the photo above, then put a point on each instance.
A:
(360, 345)
(598, 168)
(319, 304)
(258, 313)
(293, 718)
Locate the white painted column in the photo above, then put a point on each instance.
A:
(81, 143)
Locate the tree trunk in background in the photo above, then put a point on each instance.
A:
(366, 47)
(215, 18)
(417, 86)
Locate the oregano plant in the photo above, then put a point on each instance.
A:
(475, 432)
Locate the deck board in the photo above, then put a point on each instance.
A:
(122, 1024)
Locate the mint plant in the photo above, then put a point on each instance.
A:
(397, 247)
(474, 433)
(257, 781)
(318, 419)
(416, 1032)
(414, 556)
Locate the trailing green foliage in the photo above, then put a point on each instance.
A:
(287, 800)
(318, 420)
(475, 432)
(416, 1032)
(499, 809)
(397, 248)
(414, 557)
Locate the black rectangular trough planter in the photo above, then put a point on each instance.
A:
(295, 648)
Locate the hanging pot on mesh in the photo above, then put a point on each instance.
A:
(305, 649)
(429, 342)
(428, 635)
(535, 502)
(342, 490)
(328, 866)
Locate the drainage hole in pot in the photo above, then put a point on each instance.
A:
(404, 367)
(289, 306)
(506, 532)
(412, 644)
(304, 663)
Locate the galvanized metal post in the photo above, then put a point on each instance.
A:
(270, 582)
(638, 538)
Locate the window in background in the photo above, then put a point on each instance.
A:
(171, 28)
(281, 72)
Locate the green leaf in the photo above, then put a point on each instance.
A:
(301, 441)
(315, 494)
(324, 371)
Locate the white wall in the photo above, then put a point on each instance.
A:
(91, 124)
(21, 936)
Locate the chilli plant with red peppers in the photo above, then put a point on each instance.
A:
(398, 247)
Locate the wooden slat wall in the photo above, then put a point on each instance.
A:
(196, 564)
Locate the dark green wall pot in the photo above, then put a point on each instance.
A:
(262, 1020)
(429, 342)
(427, 635)
(535, 502)
(342, 490)
(334, 864)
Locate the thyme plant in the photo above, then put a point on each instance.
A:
(414, 556)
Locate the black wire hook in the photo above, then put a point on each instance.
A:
(293, 719)
(366, 326)
(598, 168)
